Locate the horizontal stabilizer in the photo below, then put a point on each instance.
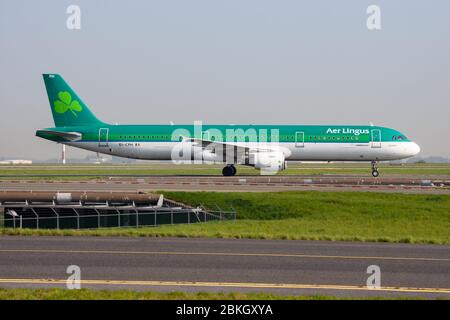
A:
(71, 136)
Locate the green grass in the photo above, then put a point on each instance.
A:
(304, 215)
(88, 294)
(95, 171)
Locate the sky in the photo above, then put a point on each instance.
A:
(234, 61)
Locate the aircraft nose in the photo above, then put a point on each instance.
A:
(413, 148)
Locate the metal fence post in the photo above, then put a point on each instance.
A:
(78, 218)
(233, 210)
(137, 218)
(98, 219)
(37, 218)
(57, 218)
(118, 217)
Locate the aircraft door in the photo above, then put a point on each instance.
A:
(376, 138)
(299, 139)
(103, 137)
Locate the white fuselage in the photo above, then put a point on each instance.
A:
(381, 151)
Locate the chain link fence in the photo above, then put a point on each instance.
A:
(52, 216)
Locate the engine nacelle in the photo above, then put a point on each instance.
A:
(209, 156)
(269, 162)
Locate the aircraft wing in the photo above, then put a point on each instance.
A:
(241, 147)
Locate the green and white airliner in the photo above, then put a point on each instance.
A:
(265, 147)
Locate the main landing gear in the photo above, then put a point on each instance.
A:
(229, 170)
(375, 172)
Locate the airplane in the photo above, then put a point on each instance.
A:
(264, 147)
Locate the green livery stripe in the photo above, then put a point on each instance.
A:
(287, 133)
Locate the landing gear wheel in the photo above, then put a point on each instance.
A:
(229, 171)
(375, 172)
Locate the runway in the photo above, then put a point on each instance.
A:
(404, 184)
(186, 264)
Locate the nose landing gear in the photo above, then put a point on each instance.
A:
(229, 170)
(375, 172)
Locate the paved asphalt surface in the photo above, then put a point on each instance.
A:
(210, 184)
(285, 267)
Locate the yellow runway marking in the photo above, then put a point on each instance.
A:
(231, 254)
(226, 284)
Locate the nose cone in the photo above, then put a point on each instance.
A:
(416, 148)
(412, 149)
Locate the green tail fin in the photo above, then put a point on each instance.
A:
(67, 108)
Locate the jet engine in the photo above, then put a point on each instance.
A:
(269, 162)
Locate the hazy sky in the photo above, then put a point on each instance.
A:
(234, 61)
